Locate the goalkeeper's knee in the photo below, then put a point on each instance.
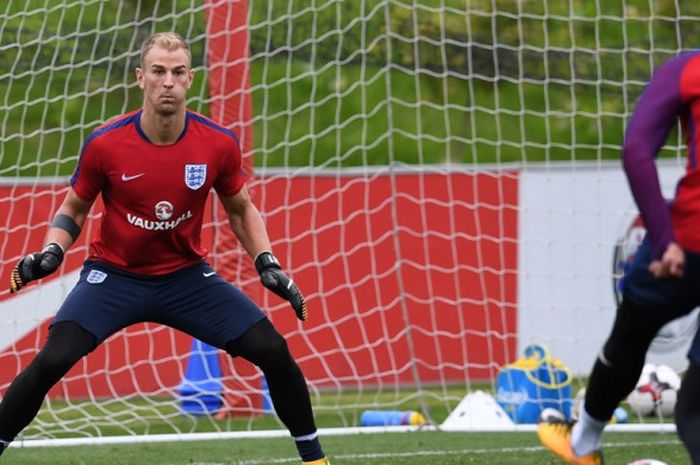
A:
(263, 346)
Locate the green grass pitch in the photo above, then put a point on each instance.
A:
(413, 448)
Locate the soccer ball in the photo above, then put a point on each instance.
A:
(647, 462)
(656, 391)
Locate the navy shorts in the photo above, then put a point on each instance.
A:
(664, 299)
(194, 300)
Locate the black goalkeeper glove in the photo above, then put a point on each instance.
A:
(36, 266)
(274, 279)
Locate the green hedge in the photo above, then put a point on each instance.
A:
(354, 83)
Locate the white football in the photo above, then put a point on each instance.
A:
(656, 392)
(641, 402)
(647, 370)
(668, 375)
(647, 462)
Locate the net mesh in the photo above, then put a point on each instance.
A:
(387, 144)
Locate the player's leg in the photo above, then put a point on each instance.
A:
(212, 310)
(615, 372)
(101, 303)
(687, 411)
(66, 344)
(263, 346)
(647, 305)
(614, 375)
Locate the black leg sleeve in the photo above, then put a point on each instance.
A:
(263, 346)
(66, 344)
(618, 366)
(688, 412)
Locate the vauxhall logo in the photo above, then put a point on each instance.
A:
(157, 225)
(163, 211)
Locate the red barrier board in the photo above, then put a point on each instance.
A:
(405, 275)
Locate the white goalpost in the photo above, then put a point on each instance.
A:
(440, 177)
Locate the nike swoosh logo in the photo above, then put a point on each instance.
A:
(211, 273)
(126, 178)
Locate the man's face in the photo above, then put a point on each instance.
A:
(165, 78)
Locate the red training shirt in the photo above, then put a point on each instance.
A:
(154, 195)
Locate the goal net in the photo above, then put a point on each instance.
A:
(441, 178)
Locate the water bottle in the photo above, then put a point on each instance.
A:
(391, 418)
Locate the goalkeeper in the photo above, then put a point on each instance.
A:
(154, 168)
(662, 283)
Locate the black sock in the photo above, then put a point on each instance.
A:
(309, 447)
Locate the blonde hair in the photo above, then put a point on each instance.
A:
(169, 41)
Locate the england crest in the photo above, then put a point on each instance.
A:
(195, 176)
(96, 276)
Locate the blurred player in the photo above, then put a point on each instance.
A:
(664, 280)
(154, 168)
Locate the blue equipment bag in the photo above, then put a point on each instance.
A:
(532, 383)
